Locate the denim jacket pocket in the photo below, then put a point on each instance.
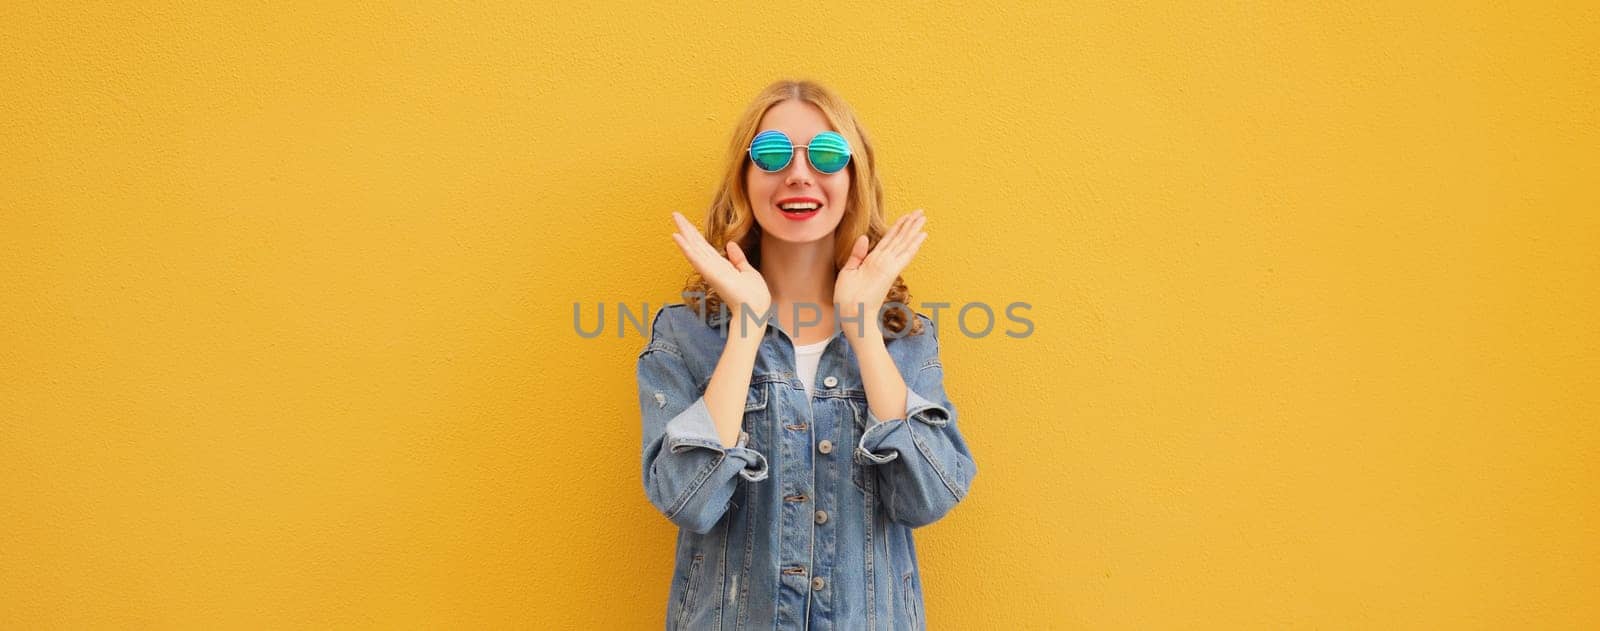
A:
(913, 613)
(691, 583)
(757, 398)
(755, 413)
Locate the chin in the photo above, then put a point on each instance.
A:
(789, 231)
(790, 236)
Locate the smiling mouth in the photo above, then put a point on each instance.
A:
(799, 212)
(800, 208)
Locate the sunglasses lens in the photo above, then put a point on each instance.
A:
(771, 150)
(828, 152)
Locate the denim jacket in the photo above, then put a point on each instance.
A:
(806, 522)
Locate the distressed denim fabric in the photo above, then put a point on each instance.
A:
(806, 523)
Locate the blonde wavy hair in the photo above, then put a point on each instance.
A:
(730, 217)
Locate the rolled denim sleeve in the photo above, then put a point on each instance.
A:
(923, 464)
(688, 475)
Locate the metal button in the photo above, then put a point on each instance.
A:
(826, 446)
(830, 381)
(822, 517)
(816, 583)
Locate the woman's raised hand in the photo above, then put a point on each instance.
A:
(864, 282)
(733, 277)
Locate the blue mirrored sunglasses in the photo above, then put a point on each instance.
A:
(771, 151)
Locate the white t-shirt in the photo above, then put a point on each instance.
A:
(806, 358)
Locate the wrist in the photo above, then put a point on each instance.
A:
(743, 326)
(737, 310)
(868, 333)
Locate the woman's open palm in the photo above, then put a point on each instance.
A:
(865, 280)
(733, 278)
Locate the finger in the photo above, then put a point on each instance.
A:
(694, 238)
(688, 254)
(684, 227)
(737, 257)
(888, 238)
(916, 244)
(695, 246)
(690, 233)
(901, 234)
(858, 251)
(909, 235)
(908, 227)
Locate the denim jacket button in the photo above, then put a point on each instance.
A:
(830, 381)
(822, 517)
(816, 583)
(826, 446)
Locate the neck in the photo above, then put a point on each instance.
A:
(800, 273)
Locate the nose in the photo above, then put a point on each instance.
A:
(799, 169)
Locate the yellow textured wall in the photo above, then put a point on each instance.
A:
(286, 306)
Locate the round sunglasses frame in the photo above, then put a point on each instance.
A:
(826, 136)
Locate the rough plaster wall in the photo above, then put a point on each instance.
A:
(286, 326)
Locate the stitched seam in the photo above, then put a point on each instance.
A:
(683, 498)
(855, 465)
(894, 573)
(749, 548)
(672, 336)
(675, 443)
(870, 500)
(688, 590)
(938, 467)
(722, 587)
(665, 347)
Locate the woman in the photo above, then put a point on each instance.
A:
(796, 496)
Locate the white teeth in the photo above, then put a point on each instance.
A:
(799, 206)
